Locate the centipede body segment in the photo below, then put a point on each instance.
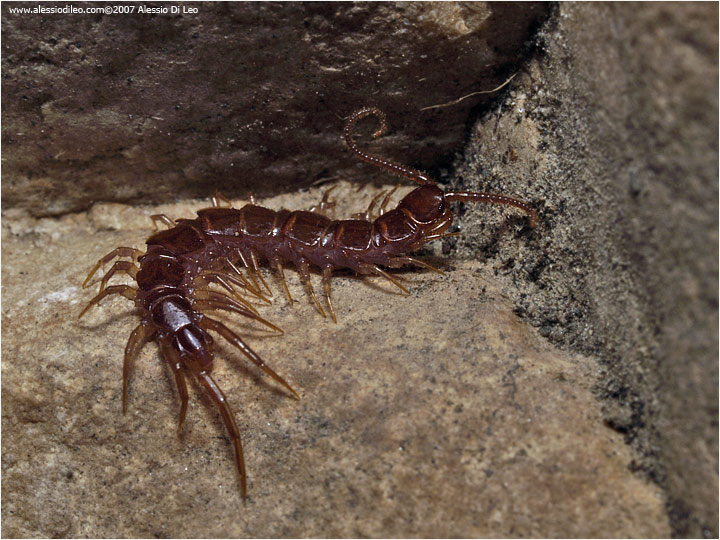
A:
(224, 246)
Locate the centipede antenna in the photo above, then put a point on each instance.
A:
(221, 403)
(326, 277)
(126, 290)
(400, 170)
(475, 196)
(211, 324)
(375, 270)
(173, 359)
(135, 343)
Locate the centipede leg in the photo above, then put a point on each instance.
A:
(202, 305)
(386, 200)
(373, 269)
(117, 252)
(278, 267)
(304, 270)
(119, 266)
(253, 287)
(240, 280)
(221, 403)
(164, 219)
(218, 197)
(216, 326)
(202, 281)
(396, 262)
(125, 290)
(324, 204)
(368, 215)
(173, 359)
(326, 277)
(250, 271)
(255, 267)
(135, 343)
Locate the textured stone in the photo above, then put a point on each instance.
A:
(439, 414)
(613, 133)
(240, 96)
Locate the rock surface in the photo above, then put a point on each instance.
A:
(239, 96)
(439, 414)
(610, 130)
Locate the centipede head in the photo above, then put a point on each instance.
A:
(427, 204)
(428, 208)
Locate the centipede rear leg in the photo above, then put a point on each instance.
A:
(216, 394)
(216, 326)
(171, 356)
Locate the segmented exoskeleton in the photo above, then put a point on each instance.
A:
(174, 273)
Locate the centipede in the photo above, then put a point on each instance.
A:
(212, 263)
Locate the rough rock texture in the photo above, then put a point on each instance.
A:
(239, 96)
(613, 131)
(610, 130)
(440, 414)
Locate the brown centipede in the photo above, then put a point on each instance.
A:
(173, 275)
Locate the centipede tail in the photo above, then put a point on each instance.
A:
(174, 276)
